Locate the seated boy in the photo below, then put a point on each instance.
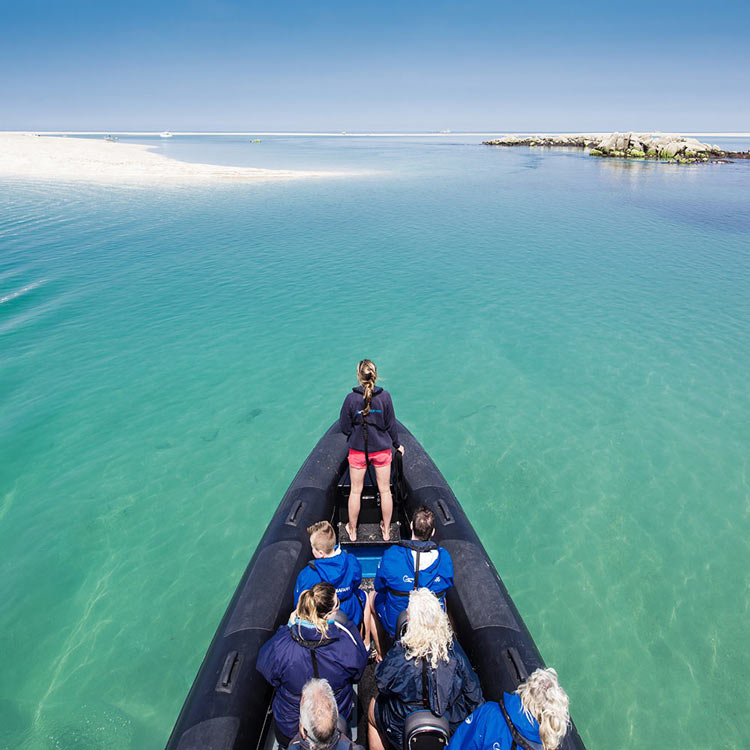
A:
(335, 566)
(398, 574)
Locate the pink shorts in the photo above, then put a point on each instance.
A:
(380, 458)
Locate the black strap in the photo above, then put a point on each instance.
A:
(367, 458)
(312, 565)
(518, 739)
(425, 687)
(311, 646)
(396, 592)
(416, 570)
(417, 545)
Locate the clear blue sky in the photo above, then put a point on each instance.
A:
(356, 65)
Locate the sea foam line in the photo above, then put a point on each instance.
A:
(24, 290)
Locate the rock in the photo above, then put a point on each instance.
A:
(609, 142)
(623, 141)
(674, 148)
(633, 145)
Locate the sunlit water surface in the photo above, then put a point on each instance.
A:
(568, 337)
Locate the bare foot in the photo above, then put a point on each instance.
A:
(386, 534)
(352, 533)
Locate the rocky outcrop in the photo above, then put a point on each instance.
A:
(673, 148)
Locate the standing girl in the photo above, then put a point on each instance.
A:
(368, 421)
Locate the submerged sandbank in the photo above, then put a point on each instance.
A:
(88, 159)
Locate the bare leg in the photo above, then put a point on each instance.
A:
(383, 478)
(374, 740)
(357, 477)
(364, 628)
(375, 626)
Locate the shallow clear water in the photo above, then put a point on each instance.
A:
(568, 337)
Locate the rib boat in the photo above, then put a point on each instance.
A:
(229, 704)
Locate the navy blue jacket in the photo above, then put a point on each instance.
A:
(338, 742)
(343, 571)
(287, 665)
(486, 728)
(396, 573)
(454, 690)
(382, 432)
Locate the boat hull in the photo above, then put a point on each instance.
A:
(227, 706)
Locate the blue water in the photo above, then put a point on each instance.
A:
(567, 336)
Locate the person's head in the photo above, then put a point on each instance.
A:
(322, 538)
(422, 524)
(428, 633)
(318, 605)
(367, 374)
(318, 713)
(543, 699)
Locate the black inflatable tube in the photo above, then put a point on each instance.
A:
(227, 704)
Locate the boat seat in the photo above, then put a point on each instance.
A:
(370, 534)
(425, 731)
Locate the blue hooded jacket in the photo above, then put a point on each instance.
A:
(396, 574)
(344, 572)
(486, 728)
(453, 688)
(288, 665)
(382, 432)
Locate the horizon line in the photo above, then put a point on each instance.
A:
(371, 134)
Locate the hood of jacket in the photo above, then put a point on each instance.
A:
(361, 390)
(333, 569)
(526, 725)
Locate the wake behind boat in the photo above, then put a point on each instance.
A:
(228, 706)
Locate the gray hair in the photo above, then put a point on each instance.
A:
(318, 713)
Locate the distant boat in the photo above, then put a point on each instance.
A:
(445, 132)
(255, 140)
(111, 138)
(165, 134)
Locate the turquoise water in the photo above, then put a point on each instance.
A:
(568, 337)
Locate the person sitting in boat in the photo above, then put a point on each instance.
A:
(319, 720)
(427, 655)
(535, 716)
(335, 565)
(414, 563)
(312, 644)
(369, 423)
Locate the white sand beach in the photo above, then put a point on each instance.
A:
(87, 159)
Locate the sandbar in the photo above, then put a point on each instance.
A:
(87, 159)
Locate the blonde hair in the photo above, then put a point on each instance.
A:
(322, 537)
(315, 605)
(428, 633)
(367, 374)
(543, 699)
